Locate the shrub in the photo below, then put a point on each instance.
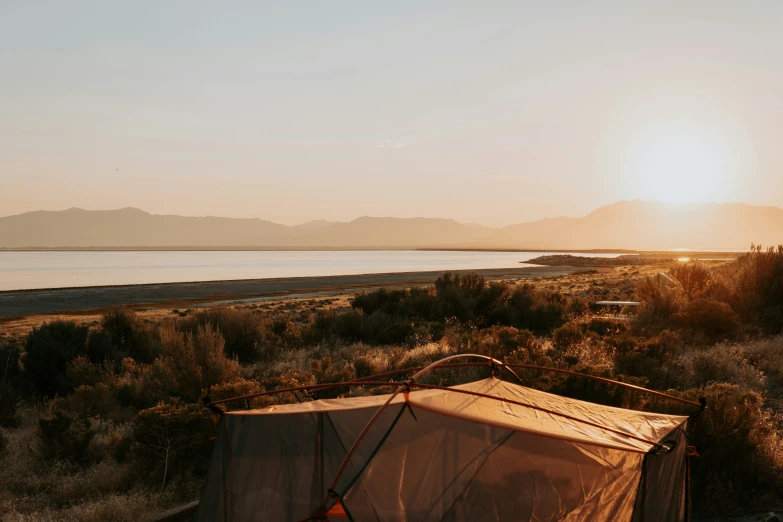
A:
(363, 366)
(95, 401)
(242, 330)
(713, 319)
(462, 298)
(347, 325)
(567, 335)
(173, 438)
(657, 359)
(11, 368)
(325, 371)
(9, 399)
(64, 437)
(718, 364)
(469, 285)
(499, 341)
(740, 450)
(541, 311)
(237, 389)
(695, 279)
(767, 356)
(390, 302)
(755, 288)
(83, 372)
(658, 304)
(128, 336)
(101, 349)
(10, 385)
(49, 350)
(604, 326)
(319, 327)
(594, 391)
(192, 362)
(3, 443)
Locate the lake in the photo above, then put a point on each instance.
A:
(28, 270)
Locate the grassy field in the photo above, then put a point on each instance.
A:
(101, 415)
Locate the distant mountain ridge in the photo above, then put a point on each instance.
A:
(637, 225)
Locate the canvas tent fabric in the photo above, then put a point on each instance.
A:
(485, 451)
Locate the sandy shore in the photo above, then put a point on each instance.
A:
(90, 299)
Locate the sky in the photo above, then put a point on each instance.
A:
(485, 112)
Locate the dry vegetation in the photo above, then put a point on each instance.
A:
(101, 417)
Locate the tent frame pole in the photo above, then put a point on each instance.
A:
(404, 387)
(373, 380)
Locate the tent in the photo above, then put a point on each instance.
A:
(489, 450)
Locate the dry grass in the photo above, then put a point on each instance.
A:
(128, 507)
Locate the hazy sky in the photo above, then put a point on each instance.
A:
(491, 112)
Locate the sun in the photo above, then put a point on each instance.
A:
(679, 164)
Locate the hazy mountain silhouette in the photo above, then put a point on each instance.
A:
(132, 227)
(645, 225)
(628, 224)
(316, 224)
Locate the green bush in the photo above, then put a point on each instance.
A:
(49, 350)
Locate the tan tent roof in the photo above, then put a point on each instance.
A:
(484, 451)
(575, 422)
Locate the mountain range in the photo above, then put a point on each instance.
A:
(634, 225)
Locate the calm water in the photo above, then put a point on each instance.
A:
(24, 270)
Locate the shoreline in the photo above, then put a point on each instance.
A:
(619, 251)
(19, 303)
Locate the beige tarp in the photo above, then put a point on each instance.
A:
(442, 455)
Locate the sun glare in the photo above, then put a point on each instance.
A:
(678, 165)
